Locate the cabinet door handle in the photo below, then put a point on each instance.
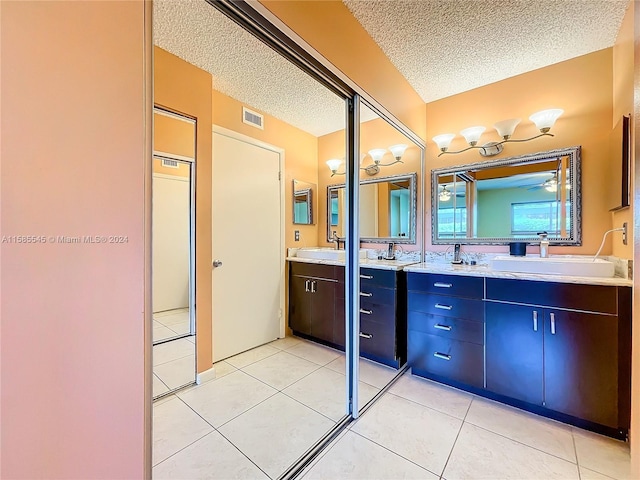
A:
(366, 277)
(442, 285)
(313, 286)
(553, 323)
(365, 294)
(442, 327)
(535, 320)
(366, 335)
(366, 312)
(306, 285)
(443, 307)
(442, 356)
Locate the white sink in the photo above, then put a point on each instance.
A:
(326, 254)
(554, 265)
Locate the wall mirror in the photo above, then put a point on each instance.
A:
(387, 209)
(303, 203)
(500, 201)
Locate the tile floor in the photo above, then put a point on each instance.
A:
(170, 324)
(266, 406)
(174, 365)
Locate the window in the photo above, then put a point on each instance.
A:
(528, 219)
(452, 222)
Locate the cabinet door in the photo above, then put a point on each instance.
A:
(581, 365)
(514, 351)
(299, 305)
(322, 309)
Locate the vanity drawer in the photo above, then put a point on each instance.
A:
(376, 276)
(455, 360)
(379, 313)
(447, 327)
(315, 270)
(377, 339)
(446, 306)
(375, 294)
(592, 298)
(457, 285)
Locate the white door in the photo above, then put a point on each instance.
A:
(246, 238)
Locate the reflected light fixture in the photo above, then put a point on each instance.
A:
(543, 120)
(444, 194)
(377, 154)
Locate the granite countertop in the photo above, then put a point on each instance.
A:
(487, 271)
(364, 262)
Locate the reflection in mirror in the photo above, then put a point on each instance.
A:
(515, 198)
(303, 203)
(387, 209)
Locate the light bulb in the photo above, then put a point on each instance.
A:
(377, 154)
(398, 150)
(472, 134)
(505, 128)
(443, 141)
(545, 119)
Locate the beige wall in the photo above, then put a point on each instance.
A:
(582, 87)
(74, 162)
(186, 89)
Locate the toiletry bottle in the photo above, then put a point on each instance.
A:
(544, 245)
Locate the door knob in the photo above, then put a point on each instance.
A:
(217, 263)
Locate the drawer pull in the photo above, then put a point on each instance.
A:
(366, 277)
(366, 335)
(306, 285)
(553, 323)
(442, 285)
(365, 294)
(313, 286)
(443, 307)
(366, 312)
(535, 321)
(442, 356)
(442, 327)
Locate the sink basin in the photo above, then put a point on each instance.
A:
(572, 266)
(326, 254)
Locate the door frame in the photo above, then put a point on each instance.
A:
(281, 165)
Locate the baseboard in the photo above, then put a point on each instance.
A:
(206, 376)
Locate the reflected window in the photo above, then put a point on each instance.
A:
(452, 222)
(530, 218)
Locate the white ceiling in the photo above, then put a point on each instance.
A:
(442, 47)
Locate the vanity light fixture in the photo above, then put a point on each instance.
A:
(544, 120)
(444, 194)
(377, 154)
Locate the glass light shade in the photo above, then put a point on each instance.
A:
(545, 119)
(377, 153)
(472, 134)
(443, 141)
(334, 164)
(362, 155)
(444, 194)
(398, 150)
(505, 128)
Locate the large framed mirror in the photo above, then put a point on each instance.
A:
(303, 202)
(512, 199)
(387, 209)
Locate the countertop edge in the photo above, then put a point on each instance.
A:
(397, 266)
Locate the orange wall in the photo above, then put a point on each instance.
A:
(373, 134)
(582, 87)
(623, 105)
(330, 28)
(184, 88)
(73, 315)
(172, 135)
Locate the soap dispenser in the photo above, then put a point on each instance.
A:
(544, 245)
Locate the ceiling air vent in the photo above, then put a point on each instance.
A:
(252, 118)
(166, 162)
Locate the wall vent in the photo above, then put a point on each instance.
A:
(252, 118)
(166, 162)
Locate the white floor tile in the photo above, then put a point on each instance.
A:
(251, 356)
(538, 432)
(314, 352)
(479, 454)
(175, 426)
(603, 454)
(324, 391)
(434, 395)
(223, 368)
(586, 474)
(158, 387)
(373, 373)
(223, 399)
(177, 373)
(281, 370)
(420, 434)
(181, 328)
(172, 350)
(355, 458)
(285, 343)
(161, 332)
(211, 457)
(172, 317)
(276, 433)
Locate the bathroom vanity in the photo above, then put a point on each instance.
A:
(317, 306)
(558, 346)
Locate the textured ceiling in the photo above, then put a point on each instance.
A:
(445, 47)
(243, 67)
